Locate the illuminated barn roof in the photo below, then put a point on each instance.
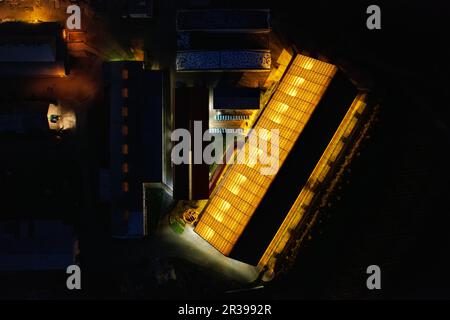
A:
(243, 187)
(32, 49)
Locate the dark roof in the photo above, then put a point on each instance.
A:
(223, 19)
(236, 98)
(31, 49)
(23, 123)
(222, 41)
(35, 245)
(19, 30)
(191, 104)
(23, 117)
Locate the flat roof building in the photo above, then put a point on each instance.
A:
(32, 49)
(312, 105)
(36, 245)
(191, 180)
(135, 141)
(223, 40)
